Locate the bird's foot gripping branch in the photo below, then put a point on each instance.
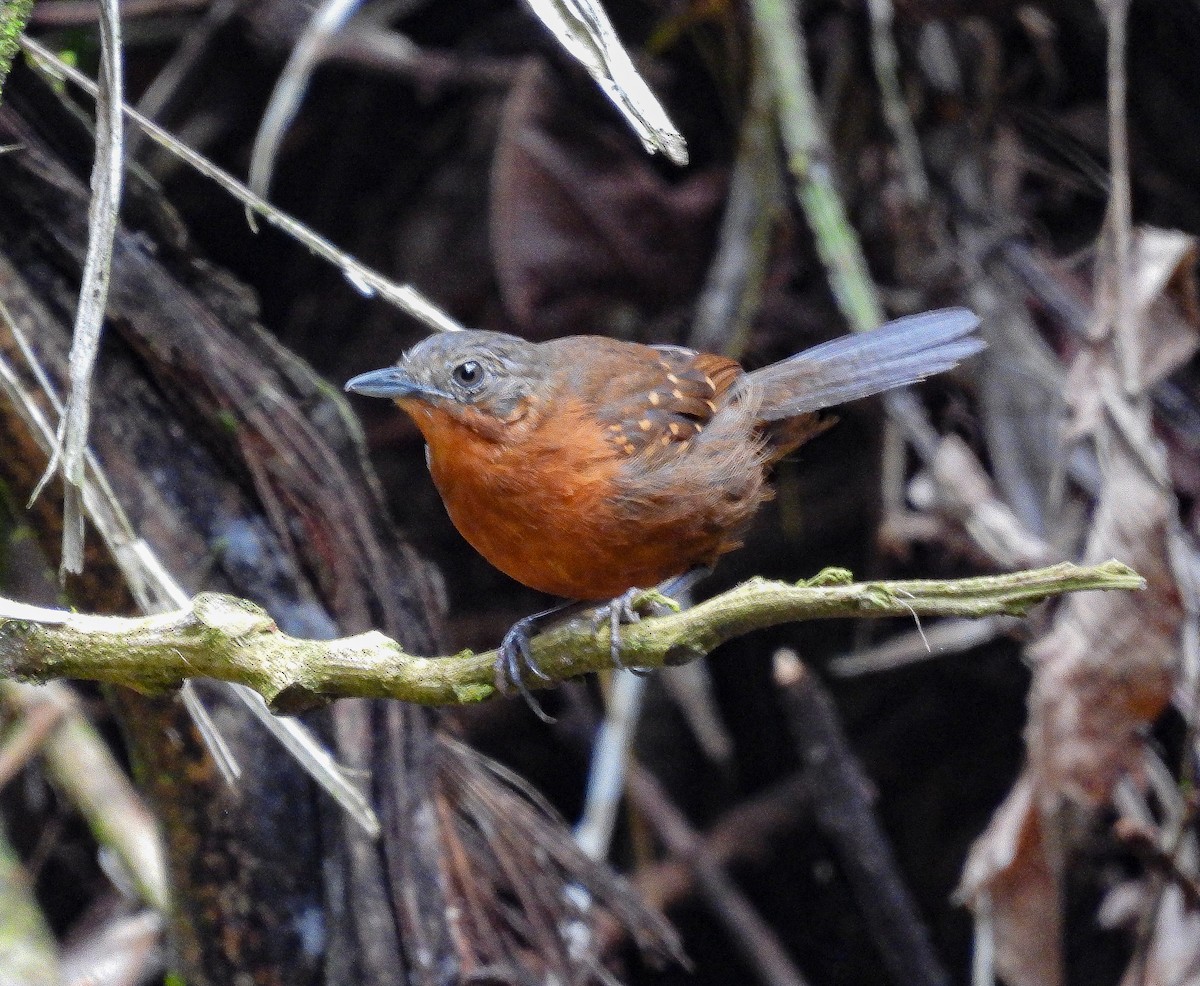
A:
(222, 637)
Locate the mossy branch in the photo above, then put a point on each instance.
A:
(229, 639)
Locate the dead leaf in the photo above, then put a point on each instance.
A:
(588, 233)
(1106, 668)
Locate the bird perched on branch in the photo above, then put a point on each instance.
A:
(590, 468)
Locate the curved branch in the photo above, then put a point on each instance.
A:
(222, 637)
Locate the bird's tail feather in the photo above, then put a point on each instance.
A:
(851, 367)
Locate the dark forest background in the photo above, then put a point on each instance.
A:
(1047, 767)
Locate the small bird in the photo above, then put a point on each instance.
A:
(588, 468)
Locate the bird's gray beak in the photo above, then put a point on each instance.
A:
(392, 382)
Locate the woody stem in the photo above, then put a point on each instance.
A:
(222, 637)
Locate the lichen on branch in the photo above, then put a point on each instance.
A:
(218, 636)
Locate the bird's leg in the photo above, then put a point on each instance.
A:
(622, 611)
(514, 660)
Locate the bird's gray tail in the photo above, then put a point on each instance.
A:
(851, 367)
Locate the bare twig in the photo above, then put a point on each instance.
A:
(75, 13)
(27, 952)
(127, 948)
(754, 938)
(155, 590)
(364, 279)
(28, 735)
(108, 172)
(895, 111)
(368, 45)
(845, 816)
(726, 306)
(329, 17)
(744, 834)
(983, 951)
(609, 764)
(83, 768)
(1120, 208)
(158, 95)
(583, 29)
(693, 692)
(610, 756)
(940, 640)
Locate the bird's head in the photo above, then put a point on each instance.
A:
(485, 381)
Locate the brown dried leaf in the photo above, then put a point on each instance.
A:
(1163, 289)
(1100, 675)
(1009, 875)
(1106, 667)
(966, 493)
(588, 233)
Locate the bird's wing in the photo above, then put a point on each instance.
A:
(667, 400)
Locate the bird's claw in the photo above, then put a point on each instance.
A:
(623, 611)
(514, 663)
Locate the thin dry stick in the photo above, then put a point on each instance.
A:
(609, 763)
(583, 29)
(366, 42)
(79, 13)
(757, 942)
(82, 767)
(290, 88)
(943, 639)
(745, 833)
(28, 954)
(1126, 340)
(156, 96)
(845, 816)
(108, 172)
(26, 738)
(156, 590)
(365, 280)
(733, 288)
(1120, 209)
(887, 73)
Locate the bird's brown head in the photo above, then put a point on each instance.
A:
(484, 381)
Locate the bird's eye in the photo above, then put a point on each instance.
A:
(468, 374)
